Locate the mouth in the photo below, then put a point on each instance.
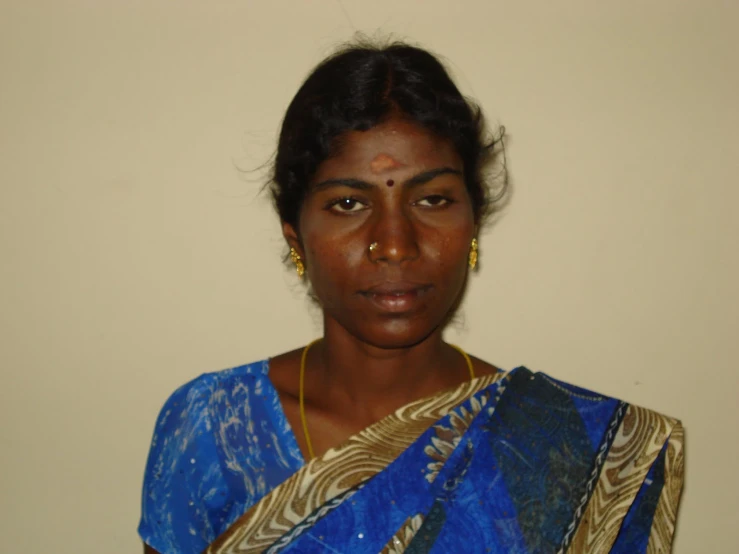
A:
(396, 297)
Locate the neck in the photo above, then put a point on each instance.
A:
(370, 382)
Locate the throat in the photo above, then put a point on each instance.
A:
(362, 389)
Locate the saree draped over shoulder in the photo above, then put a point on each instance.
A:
(510, 463)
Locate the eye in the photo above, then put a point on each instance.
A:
(346, 205)
(434, 201)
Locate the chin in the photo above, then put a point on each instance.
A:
(395, 334)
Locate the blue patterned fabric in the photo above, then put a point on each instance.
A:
(221, 443)
(510, 470)
(512, 485)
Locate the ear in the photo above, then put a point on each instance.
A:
(291, 236)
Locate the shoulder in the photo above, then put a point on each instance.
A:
(189, 422)
(186, 495)
(208, 388)
(211, 384)
(482, 367)
(187, 416)
(283, 373)
(590, 405)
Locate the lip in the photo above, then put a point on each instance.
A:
(396, 296)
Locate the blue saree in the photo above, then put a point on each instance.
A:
(512, 463)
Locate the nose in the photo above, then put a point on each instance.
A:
(396, 236)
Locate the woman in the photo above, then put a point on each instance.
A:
(380, 437)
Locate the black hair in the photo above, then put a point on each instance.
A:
(360, 86)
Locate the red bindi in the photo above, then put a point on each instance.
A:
(390, 182)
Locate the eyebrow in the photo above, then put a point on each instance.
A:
(416, 180)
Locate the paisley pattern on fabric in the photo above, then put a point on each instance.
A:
(447, 438)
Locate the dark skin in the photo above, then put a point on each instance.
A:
(375, 359)
(384, 310)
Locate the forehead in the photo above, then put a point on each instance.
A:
(392, 145)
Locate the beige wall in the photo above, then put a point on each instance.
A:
(133, 256)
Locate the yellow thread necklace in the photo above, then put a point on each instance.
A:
(301, 399)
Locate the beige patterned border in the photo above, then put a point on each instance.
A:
(663, 527)
(639, 439)
(403, 537)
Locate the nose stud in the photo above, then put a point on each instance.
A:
(373, 247)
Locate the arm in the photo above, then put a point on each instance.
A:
(174, 484)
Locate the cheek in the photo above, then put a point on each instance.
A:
(450, 248)
(331, 262)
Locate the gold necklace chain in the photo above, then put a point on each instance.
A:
(301, 398)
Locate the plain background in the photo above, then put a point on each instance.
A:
(135, 254)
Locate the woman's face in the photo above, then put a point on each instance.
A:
(402, 189)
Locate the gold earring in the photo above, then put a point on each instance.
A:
(297, 260)
(473, 254)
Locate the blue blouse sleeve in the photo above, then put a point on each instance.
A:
(184, 486)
